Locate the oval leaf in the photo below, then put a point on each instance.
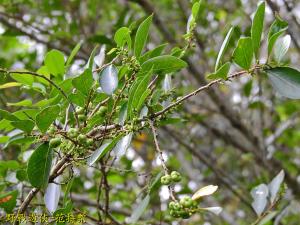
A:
(51, 197)
(39, 165)
(45, 117)
(281, 47)
(207, 190)
(243, 53)
(55, 62)
(286, 81)
(109, 79)
(259, 195)
(164, 64)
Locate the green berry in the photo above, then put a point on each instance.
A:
(55, 142)
(82, 118)
(172, 205)
(166, 179)
(186, 202)
(177, 206)
(82, 138)
(102, 110)
(176, 177)
(79, 110)
(184, 214)
(89, 141)
(73, 132)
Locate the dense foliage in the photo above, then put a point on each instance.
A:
(149, 112)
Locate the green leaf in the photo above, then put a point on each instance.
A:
(39, 165)
(286, 81)
(55, 62)
(281, 47)
(7, 115)
(136, 92)
(10, 84)
(91, 59)
(152, 53)
(257, 28)
(141, 36)
(277, 28)
(84, 82)
(243, 53)
(268, 218)
(23, 78)
(26, 102)
(102, 150)
(142, 99)
(45, 117)
(8, 201)
(221, 73)
(122, 36)
(73, 53)
(195, 9)
(223, 48)
(139, 210)
(164, 64)
(25, 125)
(77, 98)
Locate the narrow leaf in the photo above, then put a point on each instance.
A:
(139, 210)
(275, 184)
(122, 145)
(215, 210)
(259, 195)
(51, 197)
(281, 47)
(141, 36)
(73, 53)
(277, 28)
(221, 73)
(207, 190)
(10, 84)
(257, 27)
(223, 48)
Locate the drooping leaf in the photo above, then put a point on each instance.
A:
(39, 165)
(167, 83)
(73, 53)
(207, 190)
(26, 102)
(268, 218)
(8, 201)
(55, 62)
(122, 145)
(152, 53)
(275, 184)
(25, 125)
(257, 27)
(215, 210)
(281, 47)
(141, 36)
(277, 28)
(23, 78)
(223, 48)
(102, 150)
(7, 115)
(45, 117)
(51, 197)
(259, 195)
(221, 73)
(243, 54)
(99, 59)
(139, 210)
(9, 85)
(122, 36)
(286, 81)
(123, 114)
(84, 82)
(109, 79)
(164, 64)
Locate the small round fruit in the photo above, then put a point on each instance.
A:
(102, 110)
(176, 177)
(79, 110)
(184, 214)
(186, 202)
(82, 138)
(172, 205)
(55, 142)
(82, 118)
(73, 132)
(89, 141)
(166, 179)
(51, 130)
(177, 206)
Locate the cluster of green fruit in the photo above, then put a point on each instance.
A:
(169, 178)
(184, 208)
(81, 115)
